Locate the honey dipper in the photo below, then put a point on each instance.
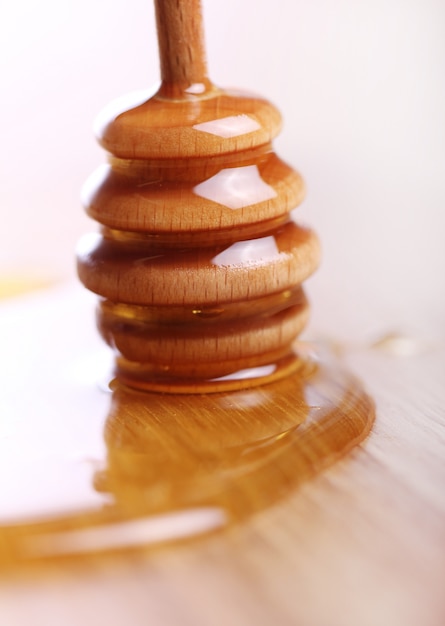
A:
(198, 263)
(199, 266)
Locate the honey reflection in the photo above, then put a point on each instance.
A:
(257, 251)
(231, 126)
(236, 187)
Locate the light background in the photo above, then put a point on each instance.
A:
(362, 90)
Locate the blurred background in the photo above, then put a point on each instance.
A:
(361, 87)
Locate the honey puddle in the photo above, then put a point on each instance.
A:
(87, 472)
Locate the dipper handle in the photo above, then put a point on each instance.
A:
(181, 48)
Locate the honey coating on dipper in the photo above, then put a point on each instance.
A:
(198, 263)
(194, 208)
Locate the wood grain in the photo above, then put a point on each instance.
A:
(181, 47)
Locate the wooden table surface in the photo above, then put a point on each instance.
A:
(361, 544)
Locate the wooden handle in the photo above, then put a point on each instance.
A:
(181, 47)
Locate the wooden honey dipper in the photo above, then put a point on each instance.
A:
(198, 263)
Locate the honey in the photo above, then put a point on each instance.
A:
(162, 468)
